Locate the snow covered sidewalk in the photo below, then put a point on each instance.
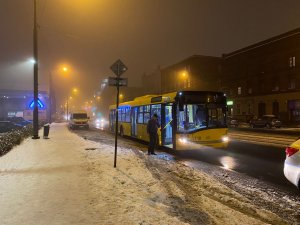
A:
(57, 181)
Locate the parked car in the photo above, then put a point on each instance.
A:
(292, 163)
(267, 121)
(6, 126)
(232, 122)
(18, 120)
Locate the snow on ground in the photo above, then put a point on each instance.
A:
(58, 181)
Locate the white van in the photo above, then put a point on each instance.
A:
(79, 119)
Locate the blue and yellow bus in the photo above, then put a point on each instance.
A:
(188, 119)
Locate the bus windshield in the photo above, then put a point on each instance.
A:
(200, 116)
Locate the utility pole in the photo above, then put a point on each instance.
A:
(117, 119)
(67, 109)
(50, 97)
(35, 78)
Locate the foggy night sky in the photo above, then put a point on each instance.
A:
(90, 35)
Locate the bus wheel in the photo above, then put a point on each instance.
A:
(121, 131)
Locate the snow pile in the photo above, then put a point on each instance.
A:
(58, 181)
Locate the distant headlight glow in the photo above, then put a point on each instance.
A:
(182, 140)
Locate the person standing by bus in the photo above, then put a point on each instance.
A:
(152, 128)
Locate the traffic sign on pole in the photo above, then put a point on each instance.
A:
(118, 68)
(114, 81)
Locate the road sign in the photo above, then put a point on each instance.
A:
(114, 81)
(40, 104)
(118, 68)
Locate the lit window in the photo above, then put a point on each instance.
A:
(185, 83)
(239, 90)
(189, 82)
(292, 61)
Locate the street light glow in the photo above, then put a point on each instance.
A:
(31, 60)
(184, 74)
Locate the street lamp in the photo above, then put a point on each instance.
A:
(185, 78)
(32, 60)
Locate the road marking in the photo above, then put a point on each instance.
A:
(266, 140)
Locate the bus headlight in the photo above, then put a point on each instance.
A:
(225, 139)
(182, 140)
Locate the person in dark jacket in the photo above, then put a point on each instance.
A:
(152, 128)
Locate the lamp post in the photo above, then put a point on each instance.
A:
(50, 97)
(35, 78)
(67, 109)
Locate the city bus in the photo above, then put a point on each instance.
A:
(188, 119)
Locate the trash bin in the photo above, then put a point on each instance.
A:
(46, 130)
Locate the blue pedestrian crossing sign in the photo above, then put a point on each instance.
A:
(40, 104)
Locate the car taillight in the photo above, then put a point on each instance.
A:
(290, 151)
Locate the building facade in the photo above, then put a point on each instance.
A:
(264, 78)
(151, 82)
(16, 103)
(194, 73)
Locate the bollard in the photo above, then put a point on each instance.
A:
(46, 130)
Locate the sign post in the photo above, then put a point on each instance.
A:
(118, 68)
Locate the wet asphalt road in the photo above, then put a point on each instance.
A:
(259, 161)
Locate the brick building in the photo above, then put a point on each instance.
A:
(151, 82)
(264, 78)
(194, 73)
